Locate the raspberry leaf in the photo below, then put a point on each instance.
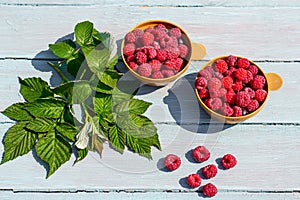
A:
(40, 125)
(137, 106)
(74, 63)
(17, 112)
(17, 141)
(117, 139)
(83, 32)
(64, 49)
(139, 145)
(97, 60)
(109, 78)
(80, 154)
(67, 130)
(103, 104)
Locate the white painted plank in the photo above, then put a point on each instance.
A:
(259, 33)
(267, 161)
(174, 103)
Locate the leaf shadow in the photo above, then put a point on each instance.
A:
(40, 161)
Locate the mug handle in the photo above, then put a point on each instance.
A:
(274, 81)
(198, 51)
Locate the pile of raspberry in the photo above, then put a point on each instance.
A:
(156, 52)
(232, 86)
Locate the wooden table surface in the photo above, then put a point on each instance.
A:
(267, 146)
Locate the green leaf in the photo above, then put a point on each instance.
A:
(102, 88)
(111, 64)
(41, 125)
(74, 63)
(139, 145)
(17, 112)
(109, 78)
(102, 104)
(97, 60)
(53, 150)
(64, 49)
(17, 142)
(34, 88)
(137, 106)
(97, 144)
(68, 117)
(83, 32)
(80, 154)
(51, 108)
(67, 130)
(117, 139)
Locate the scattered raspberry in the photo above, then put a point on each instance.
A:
(179, 62)
(249, 77)
(157, 75)
(210, 190)
(243, 63)
(140, 57)
(231, 60)
(161, 55)
(138, 32)
(201, 154)
(203, 93)
(227, 82)
(241, 74)
(260, 95)
(172, 162)
(171, 64)
(242, 99)
(133, 65)
(237, 86)
(216, 104)
(237, 111)
(201, 82)
(168, 73)
(230, 71)
(221, 66)
(172, 52)
(230, 97)
(250, 92)
(218, 75)
(228, 161)
(226, 110)
(147, 38)
(145, 70)
(253, 105)
(175, 32)
(130, 37)
(214, 83)
(209, 171)
(183, 50)
(253, 69)
(258, 82)
(194, 180)
(205, 73)
(129, 49)
(156, 65)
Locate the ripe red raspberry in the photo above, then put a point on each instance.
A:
(231, 60)
(158, 34)
(214, 93)
(175, 32)
(201, 154)
(227, 82)
(253, 69)
(222, 92)
(161, 26)
(230, 97)
(258, 82)
(157, 75)
(214, 83)
(241, 74)
(260, 95)
(140, 57)
(243, 63)
(130, 38)
(242, 99)
(163, 41)
(230, 71)
(129, 49)
(147, 39)
(237, 111)
(179, 63)
(205, 73)
(172, 42)
(167, 73)
(209, 171)
(130, 59)
(216, 104)
(226, 110)
(133, 65)
(248, 78)
(155, 64)
(145, 70)
(172, 162)
(200, 82)
(151, 52)
(228, 161)
(250, 92)
(138, 32)
(210, 190)
(149, 29)
(221, 66)
(183, 50)
(171, 64)
(161, 55)
(218, 75)
(253, 105)
(237, 86)
(208, 102)
(156, 45)
(203, 93)
(194, 180)
(172, 52)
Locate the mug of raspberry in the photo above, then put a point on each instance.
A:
(232, 89)
(157, 52)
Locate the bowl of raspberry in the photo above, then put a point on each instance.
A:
(232, 89)
(157, 52)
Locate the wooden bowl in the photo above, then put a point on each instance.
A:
(274, 82)
(197, 52)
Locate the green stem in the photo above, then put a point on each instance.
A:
(60, 73)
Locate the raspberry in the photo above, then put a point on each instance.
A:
(218, 75)
(161, 55)
(138, 32)
(157, 75)
(133, 65)
(208, 103)
(241, 74)
(201, 82)
(222, 92)
(210, 69)
(172, 52)
(226, 110)
(258, 82)
(163, 41)
(175, 32)
(243, 63)
(249, 77)
(183, 50)
(216, 104)
(156, 45)
(172, 162)
(129, 49)
(210, 190)
(214, 83)
(242, 99)
(151, 52)
(145, 70)
(140, 57)
(161, 26)
(130, 37)
(147, 38)
(227, 82)
(172, 42)
(250, 92)
(194, 180)
(130, 59)
(158, 34)
(253, 105)
(260, 95)
(201, 154)
(230, 97)
(228, 161)
(209, 171)
(237, 86)
(237, 111)
(155, 64)
(221, 66)
(203, 93)
(230, 71)
(253, 69)
(168, 73)
(171, 64)
(214, 93)
(179, 63)
(231, 60)
(149, 29)
(205, 73)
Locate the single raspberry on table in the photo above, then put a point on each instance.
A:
(140, 57)
(258, 82)
(161, 55)
(172, 162)
(249, 77)
(241, 74)
(228, 161)
(230, 97)
(227, 82)
(209, 171)
(184, 50)
(253, 69)
(175, 32)
(242, 99)
(214, 83)
(145, 70)
(157, 75)
(155, 64)
(133, 65)
(221, 66)
(138, 32)
(260, 95)
(203, 93)
(226, 110)
(237, 111)
(201, 154)
(200, 82)
(253, 105)
(167, 73)
(194, 180)
(243, 63)
(129, 49)
(209, 190)
(237, 86)
(231, 60)
(205, 73)
(130, 37)
(250, 92)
